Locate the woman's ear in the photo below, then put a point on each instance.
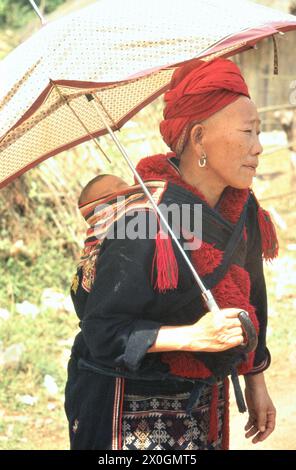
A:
(196, 134)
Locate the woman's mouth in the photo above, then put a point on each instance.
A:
(251, 168)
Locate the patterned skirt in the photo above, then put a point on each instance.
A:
(159, 421)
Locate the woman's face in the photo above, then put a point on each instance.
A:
(231, 142)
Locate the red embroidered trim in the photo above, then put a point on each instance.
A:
(117, 413)
(225, 430)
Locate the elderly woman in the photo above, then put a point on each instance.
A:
(150, 367)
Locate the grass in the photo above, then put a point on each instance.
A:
(45, 340)
(46, 343)
(27, 275)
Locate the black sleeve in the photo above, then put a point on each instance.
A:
(120, 320)
(258, 295)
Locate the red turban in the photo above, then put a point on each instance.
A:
(197, 90)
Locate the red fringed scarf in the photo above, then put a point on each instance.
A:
(232, 291)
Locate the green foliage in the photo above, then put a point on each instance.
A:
(51, 5)
(16, 13)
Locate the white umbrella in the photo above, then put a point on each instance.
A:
(124, 53)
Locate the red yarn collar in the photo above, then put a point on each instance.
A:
(162, 167)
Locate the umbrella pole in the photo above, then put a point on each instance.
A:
(206, 293)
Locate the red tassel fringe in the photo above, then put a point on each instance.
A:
(270, 244)
(166, 263)
(214, 425)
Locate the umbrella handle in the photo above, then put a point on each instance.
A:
(250, 334)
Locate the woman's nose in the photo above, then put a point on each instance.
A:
(257, 147)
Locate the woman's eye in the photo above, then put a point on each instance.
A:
(248, 130)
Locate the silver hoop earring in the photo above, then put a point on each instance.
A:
(202, 161)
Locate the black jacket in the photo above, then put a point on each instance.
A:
(120, 319)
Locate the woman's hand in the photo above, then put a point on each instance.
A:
(216, 331)
(262, 412)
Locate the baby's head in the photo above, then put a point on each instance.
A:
(101, 186)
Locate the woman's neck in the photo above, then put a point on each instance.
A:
(203, 180)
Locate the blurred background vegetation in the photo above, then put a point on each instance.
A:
(41, 235)
(17, 13)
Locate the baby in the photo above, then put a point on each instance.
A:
(96, 189)
(101, 186)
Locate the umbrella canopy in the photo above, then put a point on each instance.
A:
(124, 54)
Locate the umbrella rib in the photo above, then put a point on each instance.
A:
(79, 119)
(275, 56)
(38, 12)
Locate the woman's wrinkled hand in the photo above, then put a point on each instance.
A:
(216, 331)
(262, 413)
